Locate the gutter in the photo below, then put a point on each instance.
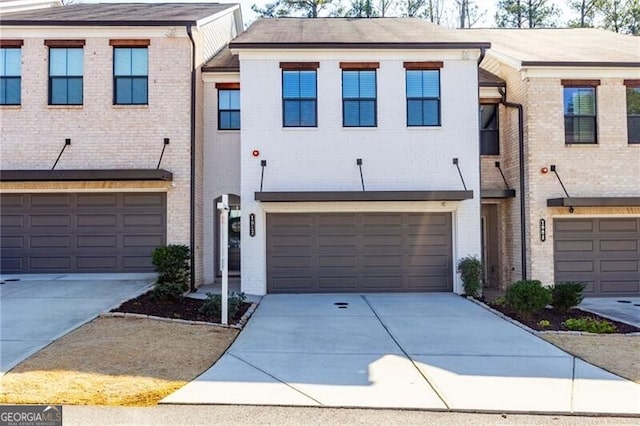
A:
(192, 198)
(523, 233)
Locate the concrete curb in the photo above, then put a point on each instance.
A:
(540, 333)
(239, 326)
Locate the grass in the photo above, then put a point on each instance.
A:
(116, 361)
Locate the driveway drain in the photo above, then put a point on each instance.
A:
(342, 305)
(624, 301)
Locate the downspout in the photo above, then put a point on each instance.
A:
(523, 232)
(192, 202)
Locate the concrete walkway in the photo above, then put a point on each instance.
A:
(37, 309)
(426, 351)
(624, 309)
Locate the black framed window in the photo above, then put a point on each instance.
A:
(299, 98)
(580, 115)
(633, 114)
(489, 130)
(130, 75)
(229, 109)
(10, 71)
(423, 97)
(359, 98)
(65, 75)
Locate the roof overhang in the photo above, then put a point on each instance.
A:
(85, 175)
(346, 45)
(310, 196)
(497, 193)
(594, 202)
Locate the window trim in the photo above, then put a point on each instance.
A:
(631, 84)
(293, 67)
(495, 103)
(66, 45)
(12, 44)
(581, 84)
(423, 99)
(132, 77)
(227, 87)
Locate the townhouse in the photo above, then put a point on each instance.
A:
(101, 145)
(575, 157)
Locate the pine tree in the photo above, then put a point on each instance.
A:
(526, 13)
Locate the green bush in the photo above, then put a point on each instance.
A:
(527, 297)
(590, 325)
(172, 265)
(567, 295)
(470, 269)
(212, 306)
(544, 323)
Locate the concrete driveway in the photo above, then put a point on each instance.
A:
(428, 351)
(35, 310)
(624, 309)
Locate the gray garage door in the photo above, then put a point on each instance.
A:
(359, 252)
(83, 232)
(603, 253)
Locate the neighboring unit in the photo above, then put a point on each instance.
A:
(579, 90)
(101, 157)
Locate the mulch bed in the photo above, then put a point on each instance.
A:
(557, 318)
(185, 308)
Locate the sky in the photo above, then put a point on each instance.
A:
(248, 16)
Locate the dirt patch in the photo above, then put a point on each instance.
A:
(617, 354)
(185, 308)
(557, 318)
(116, 361)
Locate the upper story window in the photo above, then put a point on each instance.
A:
(580, 125)
(359, 94)
(633, 110)
(423, 93)
(299, 94)
(66, 69)
(130, 72)
(10, 69)
(489, 130)
(228, 106)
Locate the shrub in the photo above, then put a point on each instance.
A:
(590, 325)
(567, 295)
(470, 269)
(172, 265)
(527, 297)
(212, 306)
(544, 323)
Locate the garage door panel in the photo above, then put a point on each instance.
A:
(80, 232)
(145, 220)
(612, 268)
(144, 200)
(349, 252)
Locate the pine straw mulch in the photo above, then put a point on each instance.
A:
(116, 361)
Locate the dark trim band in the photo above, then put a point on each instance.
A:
(580, 64)
(348, 66)
(594, 202)
(580, 83)
(497, 193)
(368, 46)
(299, 66)
(11, 43)
(64, 43)
(85, 175)
(632, 83)
(426, 65)
(227, 86)
(129, 42)
(302, 196)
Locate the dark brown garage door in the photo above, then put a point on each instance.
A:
(83, 232)
(603, 253)
(359, 252)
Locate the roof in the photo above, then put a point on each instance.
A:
(486, 79)
(224, 61)
(352, 33)
(118, 14)
(562, 46)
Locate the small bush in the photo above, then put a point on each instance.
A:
(590, 325)
(212, 306)
(527, 297)
(544, 323)
(470, 269)
(172, 265)
(499, 301)
(567, 295)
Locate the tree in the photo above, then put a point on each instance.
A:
(586, 12)
(621, 16)
(306, 8)
(361, 9)
(468, 12)
(413, 8)
(526, 13)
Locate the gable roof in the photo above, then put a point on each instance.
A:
(352, 33)
(562, 46)
(119, 14)
(224, 61)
